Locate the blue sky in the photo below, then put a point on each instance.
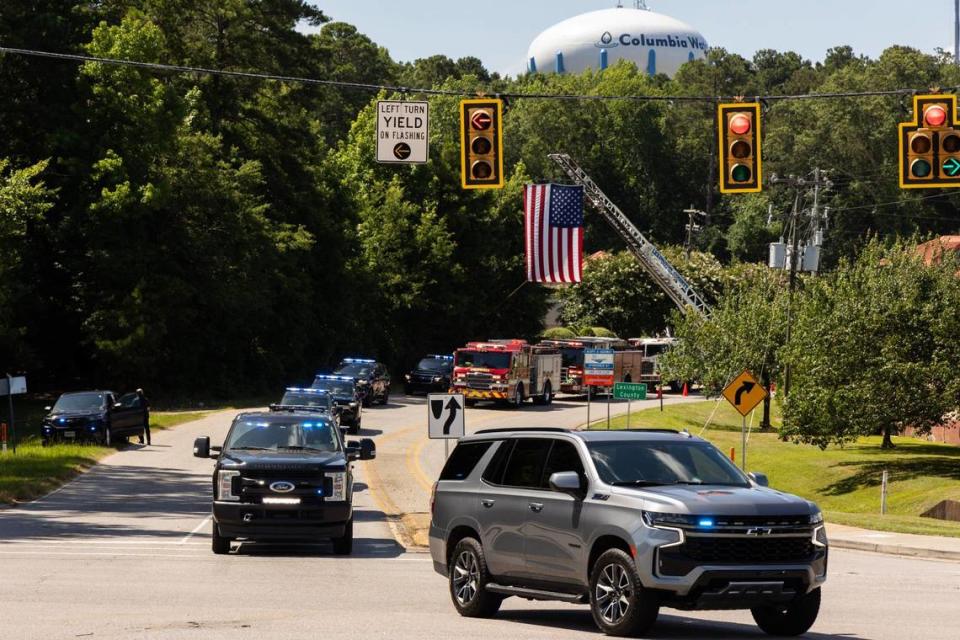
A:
(413, 29)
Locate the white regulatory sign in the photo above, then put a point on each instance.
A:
(445, 416)
(403, 131)
(13, 386)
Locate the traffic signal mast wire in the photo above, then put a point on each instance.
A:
(362, 86)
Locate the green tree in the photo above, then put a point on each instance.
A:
(745, 330)
(617, 293)
(874, 348)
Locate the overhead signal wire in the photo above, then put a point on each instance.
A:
(253, 75)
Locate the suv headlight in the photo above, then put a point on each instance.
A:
(225, 485)
(816, 518)
(653, 519)
(338, 486)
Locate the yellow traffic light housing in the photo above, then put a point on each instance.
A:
(741, 163)
(930, 145)
(481, 144)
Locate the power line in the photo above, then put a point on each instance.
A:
(251, 75)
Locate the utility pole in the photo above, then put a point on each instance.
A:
(956, 32)
(692, 227)
(793, 225)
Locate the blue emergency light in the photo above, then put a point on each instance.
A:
(359, 361)
(439, 357)
(299, 390)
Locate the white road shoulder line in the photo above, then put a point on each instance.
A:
(196, 530)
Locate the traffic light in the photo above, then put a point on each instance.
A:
(741, 165)
(930, 145)
(481, 144)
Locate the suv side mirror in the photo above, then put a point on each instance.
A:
(567, 482)
(759, 478)
(201, 447)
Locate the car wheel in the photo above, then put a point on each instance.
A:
(45, 442)
(107, 439)
(386, 398)
(619, 603)
(220, 544)
(468, 580)
(547, 396)
(791, 619)
(343, 546)
(365, 402)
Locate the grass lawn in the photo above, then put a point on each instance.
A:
(36, 470)
(844, 482)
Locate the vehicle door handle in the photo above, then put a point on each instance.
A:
(536, 507)
(487, 502)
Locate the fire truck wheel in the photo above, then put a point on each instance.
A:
(518, 396)
(547, 396)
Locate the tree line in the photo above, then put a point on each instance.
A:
(207, 235)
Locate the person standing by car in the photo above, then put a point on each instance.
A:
(145, 407)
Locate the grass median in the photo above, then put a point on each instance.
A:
(844, 481)
(36, 470)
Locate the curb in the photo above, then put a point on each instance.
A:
(895, 549)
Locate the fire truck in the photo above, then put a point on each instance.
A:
(627, 362)
(507, 371)
(652, 349)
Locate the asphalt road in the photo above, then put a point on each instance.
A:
(123, 552)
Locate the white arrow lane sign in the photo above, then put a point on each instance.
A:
(445, 416)
(403, 132)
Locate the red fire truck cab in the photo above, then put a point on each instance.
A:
(506, 371)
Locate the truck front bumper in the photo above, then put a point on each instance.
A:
(281, 522)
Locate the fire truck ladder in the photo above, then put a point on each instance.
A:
(655, 263)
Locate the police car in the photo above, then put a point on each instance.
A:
(309, 400)
(373, 380)
(343, 390)
(283, 476)
(432, 373)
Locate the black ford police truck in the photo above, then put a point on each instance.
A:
(283, 477)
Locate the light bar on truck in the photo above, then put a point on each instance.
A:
(323, 376)
(358, 361)
(439, 357)
(307, 390)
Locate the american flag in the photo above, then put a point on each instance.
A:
(554, 232)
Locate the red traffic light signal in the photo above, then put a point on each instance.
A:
(930, 145)
(741, 165)
(481, 144)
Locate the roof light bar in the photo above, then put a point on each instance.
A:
(302, 390)
(359, 361)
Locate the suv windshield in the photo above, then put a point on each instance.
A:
(355, 370)
(80, 402)
(300, 399)
(336, 387)
(484, 359)
(433, 364)
(282, 433)
(656, 463)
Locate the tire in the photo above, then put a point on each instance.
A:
(107, 439)
(218, 543)
(343, 546)
(365, 402)
(619, 603)
(386, 398)
(468, 577)
(792, 619)
(517, 401)
(547, 398)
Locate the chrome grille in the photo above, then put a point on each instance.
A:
(479, 380)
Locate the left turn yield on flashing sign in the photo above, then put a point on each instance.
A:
(403, 132)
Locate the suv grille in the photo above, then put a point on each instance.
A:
(700, 550)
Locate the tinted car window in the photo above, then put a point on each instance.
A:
(494, 471)
(563, 457)
(355, 370)
(80, 402)
(463, 459)
(525, 467)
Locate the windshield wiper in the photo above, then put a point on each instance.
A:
(301, 448)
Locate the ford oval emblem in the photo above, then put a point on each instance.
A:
(282, 486)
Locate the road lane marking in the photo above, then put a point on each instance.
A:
(195, 530)
(413, 464)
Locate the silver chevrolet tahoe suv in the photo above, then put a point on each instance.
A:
(627, 521)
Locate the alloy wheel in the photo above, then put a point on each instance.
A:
(466, 578)
(614, 593)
